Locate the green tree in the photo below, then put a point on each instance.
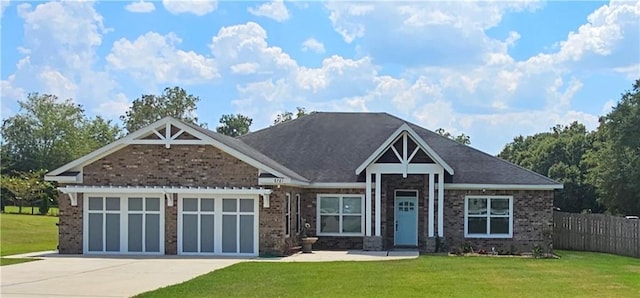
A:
(559, 155)
(27, 187)
(286, 115)
(615, 161)
(174, 102)
(234, 125)
(48, 133)
(462, 138)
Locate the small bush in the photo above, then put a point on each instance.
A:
(537, 252)
(467, 248)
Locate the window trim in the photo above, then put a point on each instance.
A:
(488, 216)
(287, 216)
(340, 215)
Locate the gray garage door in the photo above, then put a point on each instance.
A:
(124, 224)
(224, 226)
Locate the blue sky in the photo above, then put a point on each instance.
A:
(491, 70)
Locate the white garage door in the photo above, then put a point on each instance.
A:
(218, 225)
(131, 224)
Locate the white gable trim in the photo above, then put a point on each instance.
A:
(167, 140)
(419, 141)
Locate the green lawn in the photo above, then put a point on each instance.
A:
(575, 274)
(53, 211)
(26, 233)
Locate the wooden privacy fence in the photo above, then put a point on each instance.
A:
(596, 232)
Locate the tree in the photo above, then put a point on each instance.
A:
(286, 115)
(559, 155)
(615, 160)
(462, 138)
(174, 102)
(234, 125)
(48, 133)
(27, 186)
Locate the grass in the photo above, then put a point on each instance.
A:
(575, 274)
(26, 233)
(53, 211)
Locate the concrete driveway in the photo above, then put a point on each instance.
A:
(85, 276)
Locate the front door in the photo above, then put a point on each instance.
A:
(406, 215)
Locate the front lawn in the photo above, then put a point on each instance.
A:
(21, 233)
(575, 274)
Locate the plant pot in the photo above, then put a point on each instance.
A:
(307, 242)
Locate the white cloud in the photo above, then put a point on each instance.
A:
(113, 108)
(608, 106)
(246, 43)
(274, 10)
(245, 68)
(312, 44)
(341, 14)
(59, 53)
(140, 7)
(154, 59)
(3, 5)
(196, 7)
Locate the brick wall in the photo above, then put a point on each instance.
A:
(69, 225)
(180, 165)
(532, 212)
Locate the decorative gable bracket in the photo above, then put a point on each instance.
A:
(168, 135)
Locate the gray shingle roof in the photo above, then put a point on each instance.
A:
(249, 151)
(328, 147)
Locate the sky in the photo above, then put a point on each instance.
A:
(491, 70)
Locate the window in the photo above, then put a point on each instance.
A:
(340, 215)
(298, 223)
(287, 216)
(488, 217)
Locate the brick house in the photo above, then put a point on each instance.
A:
(361, 180)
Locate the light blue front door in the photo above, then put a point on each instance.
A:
(406, 212)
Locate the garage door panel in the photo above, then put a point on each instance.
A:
(190, 233)
(135, 231)
(113, 232)
(229, 233)
(246, 233)
(207, 228)
(152, 232)
(95, 231)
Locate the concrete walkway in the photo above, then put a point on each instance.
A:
(124, 276)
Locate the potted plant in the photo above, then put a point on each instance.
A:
(307, 242)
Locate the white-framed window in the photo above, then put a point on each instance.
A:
(488, 216)
(287, 216)
(340, 215)
(298, 219)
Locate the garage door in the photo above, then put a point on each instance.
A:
(218, 225)
(123, 224)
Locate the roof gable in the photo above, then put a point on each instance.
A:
(170, 131)
(388, 143)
